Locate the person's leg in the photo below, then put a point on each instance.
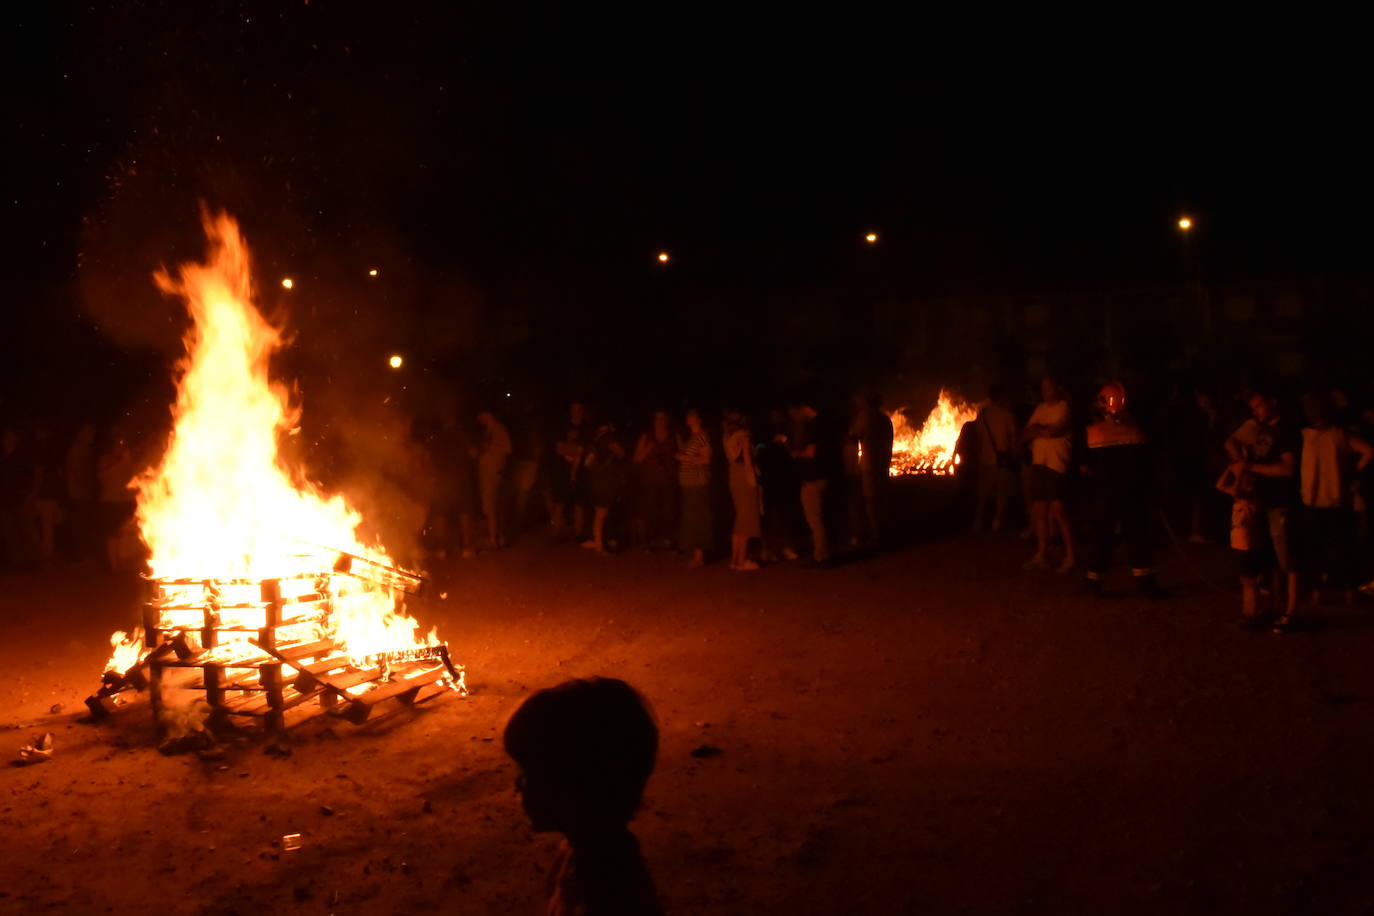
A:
(813, 504)
(854, 501)
(1060, 519)
(489, 509)
(984, 490)
(1287, 577)
(1101, 543)
(873, 506)
(467, 531)
(1004, 483)
(1040, 514)
(599, 515)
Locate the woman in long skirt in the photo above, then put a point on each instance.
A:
(694, 477)
(744, 490)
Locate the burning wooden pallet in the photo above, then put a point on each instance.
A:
(259, 649)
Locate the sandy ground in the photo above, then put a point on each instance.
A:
(931, 730)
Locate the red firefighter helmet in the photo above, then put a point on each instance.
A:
(1111, 399)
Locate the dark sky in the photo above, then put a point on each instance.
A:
(519, 154)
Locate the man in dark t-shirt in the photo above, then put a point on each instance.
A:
(1264, 452)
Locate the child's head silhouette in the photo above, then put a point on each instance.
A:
(585, 750)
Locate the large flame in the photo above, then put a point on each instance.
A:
(221, 504)
(929, 448)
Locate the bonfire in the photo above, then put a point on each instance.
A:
(263, 595)
(930, 447)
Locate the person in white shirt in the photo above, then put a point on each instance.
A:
(1331, 459)
(1048, 435)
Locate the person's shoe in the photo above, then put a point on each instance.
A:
(745, 566)
(789, 554)
(1283, 625)
(1067, 566)
(588, 545)
(1035, 563)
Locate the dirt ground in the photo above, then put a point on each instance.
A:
(929, 730)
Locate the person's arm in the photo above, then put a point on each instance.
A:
(1363, 450)
(642, 449)
(748, 449)
(1286, 466)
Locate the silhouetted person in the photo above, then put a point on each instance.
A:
(868, 458)
(453, 514)
(79, 478)
(565, 488)
(1331, 461)
(656, 475)
(781, 500)
(1262, 481)
(527, 454)
(585, 750)
(808, 459)
(18, 490)
(1048, 435)
(697, 533)
(117, 503)
(603, 468)
(995, 434)
(744, 490)
(1117, 470)
(493, 453)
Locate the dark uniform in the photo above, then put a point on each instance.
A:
(1118, 480)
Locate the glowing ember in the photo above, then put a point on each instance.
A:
(221, 505)
(929, 449)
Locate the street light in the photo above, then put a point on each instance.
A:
(287, 283)
(871, 238)
(396, 361)
(372, 272)
(1185, 223)
(663, 257)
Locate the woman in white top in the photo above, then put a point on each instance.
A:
(1048, 435)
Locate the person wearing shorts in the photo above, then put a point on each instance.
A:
(1048, 435)
(1264, 455)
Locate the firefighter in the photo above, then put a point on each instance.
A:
(1117, 470)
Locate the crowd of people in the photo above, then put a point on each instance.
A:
(673, 485)
(65, 497)
(1084, 481)
(1298, 490)
(1080, 478)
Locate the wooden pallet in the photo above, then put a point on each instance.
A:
(254, 650)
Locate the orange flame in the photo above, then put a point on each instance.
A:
(221, 504)
(929, 448)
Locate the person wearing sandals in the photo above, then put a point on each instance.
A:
(744, 490)
(694, 477)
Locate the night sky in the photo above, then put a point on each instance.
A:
(501, 159)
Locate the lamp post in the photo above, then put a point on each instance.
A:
(1186, 230)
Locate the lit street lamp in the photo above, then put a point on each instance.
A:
(287, 283)
(1185, 223)
(663, 257)
(871, 238)
(396, 361)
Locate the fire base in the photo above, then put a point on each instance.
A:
(255, 651)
